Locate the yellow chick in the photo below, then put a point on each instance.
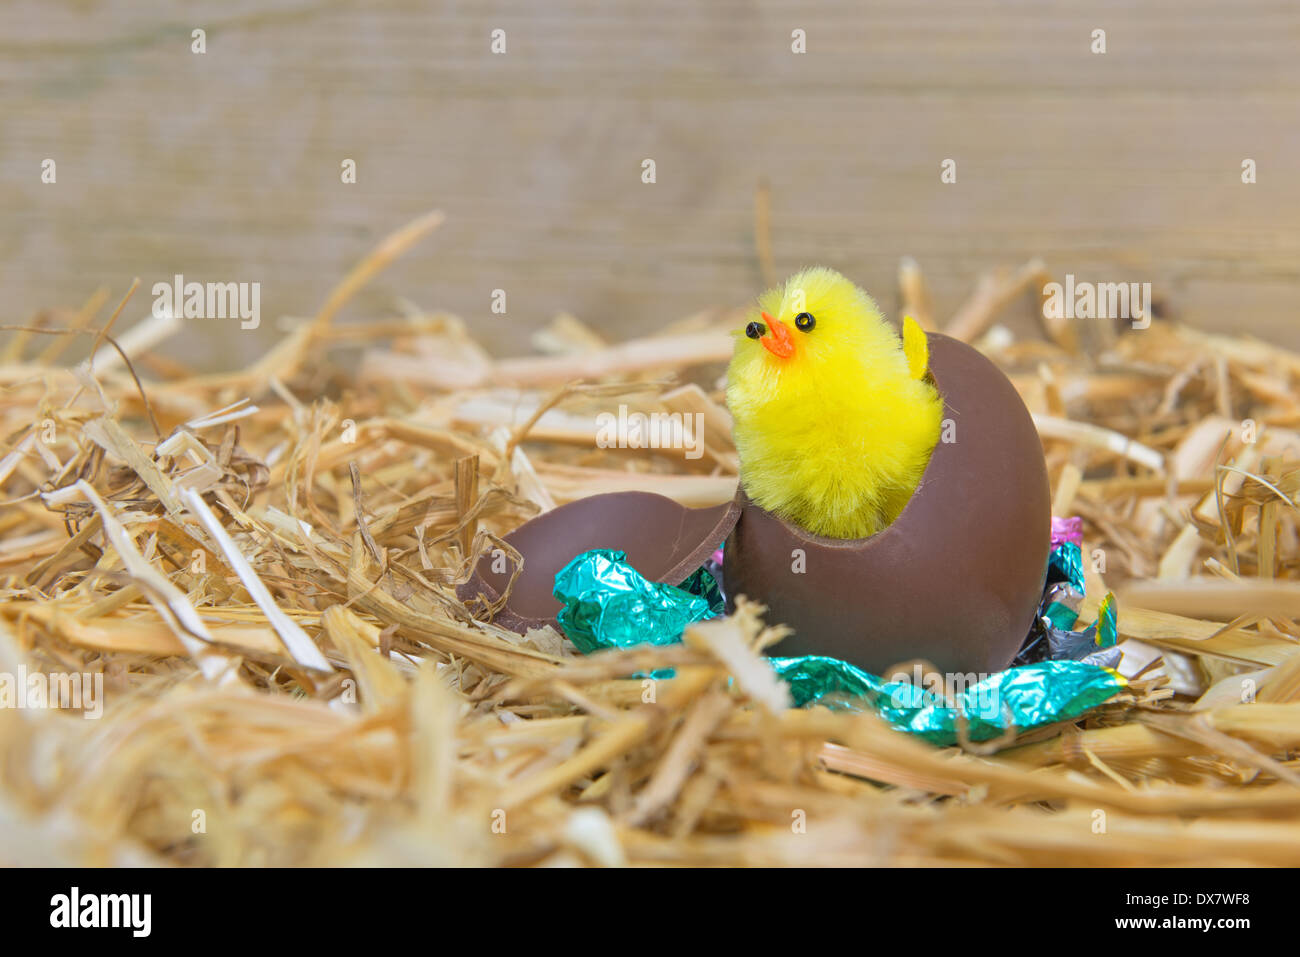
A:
(835, 419)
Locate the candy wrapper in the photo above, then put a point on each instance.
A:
(1051, 639)
(1067, 530)
(608, 604)
(1065, 588)
(1022, 697)
(1059, 675)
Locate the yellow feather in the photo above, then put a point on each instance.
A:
(835, 436)
(916, 347)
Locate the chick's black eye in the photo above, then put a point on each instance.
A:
(804, 322)
(755, 330)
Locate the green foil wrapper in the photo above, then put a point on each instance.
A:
(1024, 697)
(608, 604)
(1067, 560)
(1061, 616)
(1107, 622)
(1065, 587)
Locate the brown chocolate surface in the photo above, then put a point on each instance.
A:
(955, 580)
(664, 541)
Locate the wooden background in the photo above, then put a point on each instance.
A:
(225, 166)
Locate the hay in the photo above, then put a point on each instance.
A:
(262, 567)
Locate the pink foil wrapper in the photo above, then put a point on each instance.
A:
(1067, 530)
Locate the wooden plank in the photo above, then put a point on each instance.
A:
(226, 166)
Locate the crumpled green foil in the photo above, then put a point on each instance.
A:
(609, 604)
(1065, 587)
(1023, 697)
(1061, 615)
(1107, 622)
(1067, 560)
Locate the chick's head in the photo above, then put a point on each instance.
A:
(832, 426)
(818, 338)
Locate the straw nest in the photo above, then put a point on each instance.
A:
(262, 567)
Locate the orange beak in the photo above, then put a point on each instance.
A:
(778, 340)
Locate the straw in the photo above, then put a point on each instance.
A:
(265, 583)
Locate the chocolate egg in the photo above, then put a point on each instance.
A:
(957, 577)
(664, 540)
(955, 580)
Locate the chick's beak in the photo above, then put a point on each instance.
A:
(778, 340)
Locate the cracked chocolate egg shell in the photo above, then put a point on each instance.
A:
(664, 540)
(955, 580)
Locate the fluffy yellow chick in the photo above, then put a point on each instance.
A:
(834, 420)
